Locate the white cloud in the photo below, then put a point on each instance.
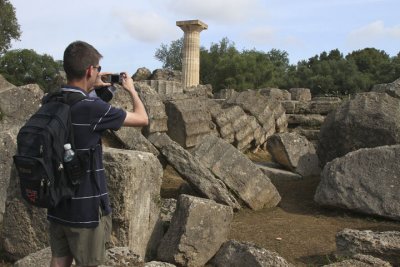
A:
(147, 26)
(373, 33)
(222, 11)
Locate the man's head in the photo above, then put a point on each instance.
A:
(79, 58)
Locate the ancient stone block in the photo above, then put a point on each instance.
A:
(392, 89)
(135, 199)
(300, 94)
(38, 258)
(310, 120)
(294, 152)
(17, 104)
(365, 181)
(25, 227)
(166, 87)
(131, 138)
(360, 260)
(368, 120)
(224, 93)
(8, 146)
(141, 74)
(276, 174)
(383, 245)
(239, 174)
(188, 121)
(289, 106)
(198, 228)
(197, 175)
(275, 93)
(239, 254)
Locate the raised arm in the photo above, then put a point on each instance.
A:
(138, 116)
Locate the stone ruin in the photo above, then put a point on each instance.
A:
(203, 137)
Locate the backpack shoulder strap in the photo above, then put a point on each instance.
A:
(69, 98)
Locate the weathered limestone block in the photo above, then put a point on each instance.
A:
(225, 93)
(368, 120)
(193, 171)
(289, 106)
(310, 134)
(383, 245)
(366, 180)
(155, 109)
(8, 148)
(131, 138)
(25, 228)
(327, 98)
(122, 256)
(294, 152)
(4, 84)
(188, 121)
(253, 103)
(239, 254)
(392, 89)
(360, 260)
(166, 75)
(310, 120)
(134, 182)
(300, 94)
(116, 256)
(38, 258)
(152, 102)
(238, 172)
(141, 74)
(17, 104)
(158, 264)
(200, 90)
(275, 93)
(166, 87)
(276, 174)
(198, 228)
(322, 107)
(281, 121)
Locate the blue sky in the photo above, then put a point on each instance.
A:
(127, 33)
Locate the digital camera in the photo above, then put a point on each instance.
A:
(112, 78)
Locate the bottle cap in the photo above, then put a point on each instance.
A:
(67, 146)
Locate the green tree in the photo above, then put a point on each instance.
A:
(9, 27)
(26, 66)
(171, 55)
(374, 64)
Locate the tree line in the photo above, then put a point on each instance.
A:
(329, 73)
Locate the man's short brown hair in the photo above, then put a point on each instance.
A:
(78, 56)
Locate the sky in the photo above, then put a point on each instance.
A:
(127, 33)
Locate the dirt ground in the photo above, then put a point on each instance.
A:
(298, 229)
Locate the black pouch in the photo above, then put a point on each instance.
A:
(77, 167)
(34, 180)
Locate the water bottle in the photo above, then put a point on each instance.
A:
(69, 153)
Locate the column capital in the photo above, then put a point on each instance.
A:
(192, 25)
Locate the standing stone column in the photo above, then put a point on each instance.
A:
(191, 50)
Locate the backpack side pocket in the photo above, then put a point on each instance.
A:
(76, 169)
(34, 180)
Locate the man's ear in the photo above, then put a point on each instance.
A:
(89, 72)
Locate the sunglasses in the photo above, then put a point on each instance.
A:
(98, 68)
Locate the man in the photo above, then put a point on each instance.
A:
(79, 227)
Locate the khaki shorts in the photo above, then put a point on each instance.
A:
(85, 245)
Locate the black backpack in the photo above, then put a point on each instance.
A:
(43, 176)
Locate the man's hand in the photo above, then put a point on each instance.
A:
(99, 82)
(127, 83)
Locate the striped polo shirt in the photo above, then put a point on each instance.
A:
(90, 118)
